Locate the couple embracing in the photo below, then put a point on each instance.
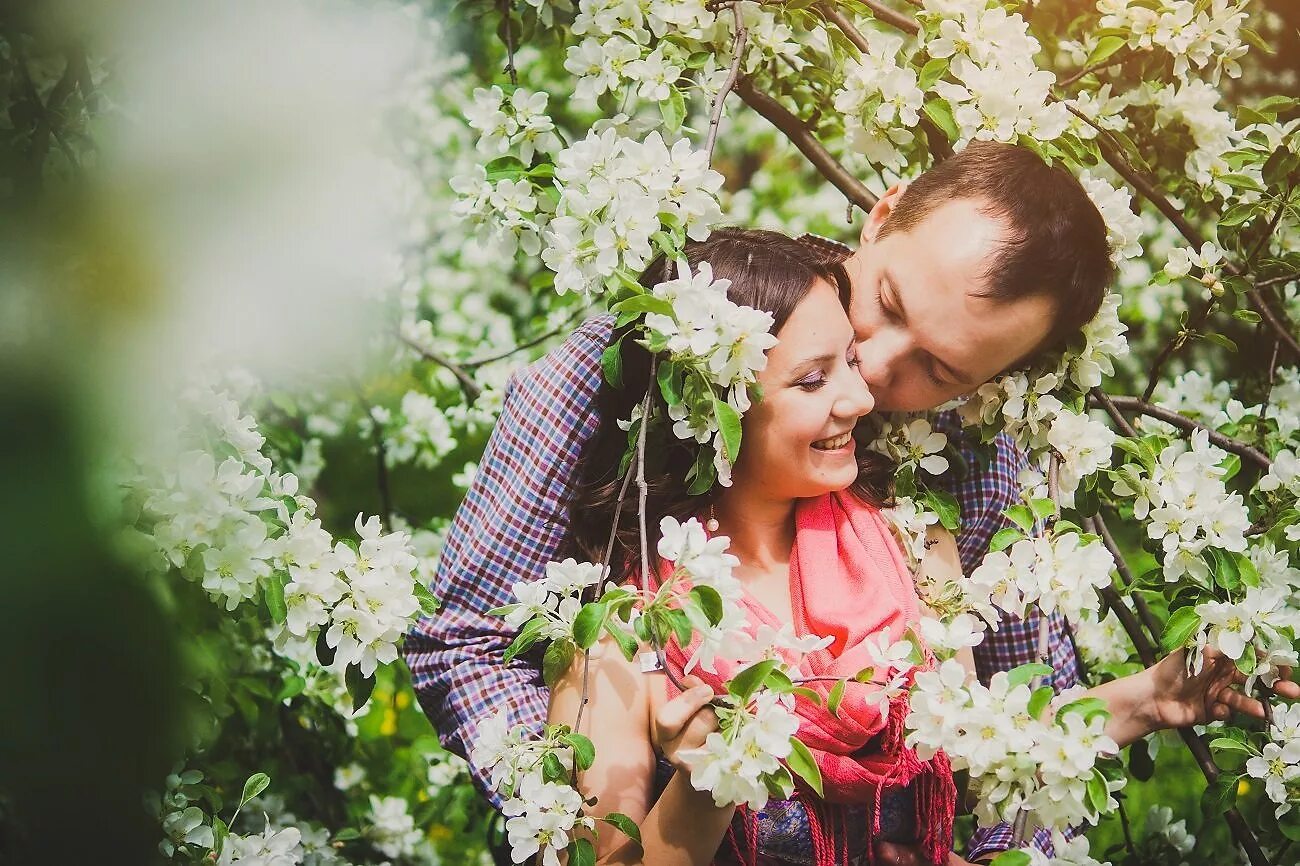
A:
(977, 267)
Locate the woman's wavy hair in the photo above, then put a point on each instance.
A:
(768, 271)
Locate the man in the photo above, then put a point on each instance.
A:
(978, 265)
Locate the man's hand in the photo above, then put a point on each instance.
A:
(1211, 695)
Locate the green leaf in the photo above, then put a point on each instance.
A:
(642, 303)
(1098, 796)
(673, 109)
(682, 628)
(1220, 795)
(552, 769)
(931, 72)
(836, 695)
(582, 853)
(588, 623)
(559, 656)
(359, 687)
(1250, 317)
(944, 504)
(1086, 707)
(1182, 624)
(527, 636)
(1106, 46)
(584, 751)
(626, 643)
(625, 825)
(729, 426)
(802, 763)
(1220, 340)
(1246, 569)
(1140, 762)
(865, 675)
(292, 687)
(1024, 673)
(667, 377)
(1021, 516)
(1005, 537)
(219, 833)
(1228, 744)
(611, 364)
(1042, 508)
(256, 784)
(745, 683)
(273, 591)
(1224, 568)
(324, 652)
(347, 834)
(428, 604)
(1014, 857)
(1039, 700)
(940, 113)
(709, 601)
(504, 167)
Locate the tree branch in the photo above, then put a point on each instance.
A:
(1241, 831)
(719, 101)
(467, 383)
(1182, 422)
(802, 137)
(527, 344)
(940, 147)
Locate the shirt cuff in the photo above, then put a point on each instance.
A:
(988, 841)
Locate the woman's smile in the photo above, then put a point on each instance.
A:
(835, 444)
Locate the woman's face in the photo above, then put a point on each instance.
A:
(798, 439)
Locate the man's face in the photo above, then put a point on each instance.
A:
(924, 335)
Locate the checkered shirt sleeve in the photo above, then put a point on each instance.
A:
(984, 494)
(509, 526)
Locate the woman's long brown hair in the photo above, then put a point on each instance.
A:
(768, 271)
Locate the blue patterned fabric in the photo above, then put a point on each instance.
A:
(511, 523)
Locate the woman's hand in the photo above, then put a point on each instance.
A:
(685, 721)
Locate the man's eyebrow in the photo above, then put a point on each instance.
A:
(958, 376)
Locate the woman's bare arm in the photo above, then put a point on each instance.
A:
(682, 828)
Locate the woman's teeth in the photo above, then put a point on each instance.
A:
(834, 443)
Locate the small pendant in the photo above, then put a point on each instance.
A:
(711, 524)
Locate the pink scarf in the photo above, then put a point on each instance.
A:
(849, 581)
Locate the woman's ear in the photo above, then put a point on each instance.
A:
(883, 208)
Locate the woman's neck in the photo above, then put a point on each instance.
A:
(761, 529)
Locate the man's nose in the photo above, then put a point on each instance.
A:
(879, 355)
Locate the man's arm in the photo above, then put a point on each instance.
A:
(509, 526)
(984, 494)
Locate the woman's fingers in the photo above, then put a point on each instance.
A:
(1231, 699)
(676, 715)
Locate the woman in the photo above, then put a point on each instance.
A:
(803, 517)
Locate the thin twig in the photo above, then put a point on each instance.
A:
(1112, 410)
(507, 9)
(1260, 432)
(1097, 67)
(1280, 279)
(802, 137)
(1175, 343)
(1126, 575)
(882, 13)
(467, 383)
(1182, 422)
(528, 344)
(719, 101)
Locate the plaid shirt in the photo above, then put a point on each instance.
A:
(512, 522)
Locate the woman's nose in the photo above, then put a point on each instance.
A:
(857, 399)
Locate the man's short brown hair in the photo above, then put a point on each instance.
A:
(1055, 243)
